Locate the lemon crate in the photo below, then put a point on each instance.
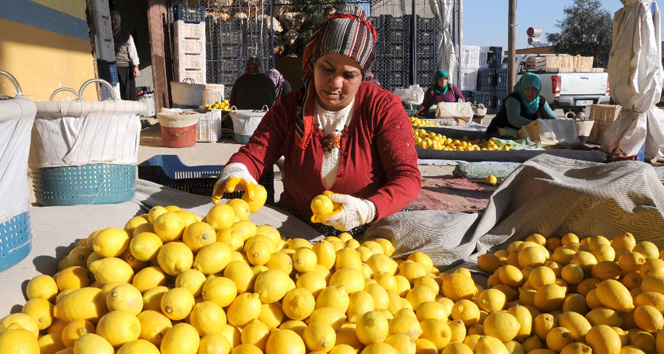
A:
(86, 184)
(15, 240)
(168, 170)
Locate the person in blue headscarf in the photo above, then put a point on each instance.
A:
(522, 106)
(441, 91)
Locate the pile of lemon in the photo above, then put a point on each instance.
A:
(425, 139)
(417, 122)
(174, 282)
(223, 105)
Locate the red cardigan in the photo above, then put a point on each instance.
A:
(378, 159)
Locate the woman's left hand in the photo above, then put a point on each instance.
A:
(354, 212)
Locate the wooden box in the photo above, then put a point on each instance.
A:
(603, 115)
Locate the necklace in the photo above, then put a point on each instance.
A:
(332, 141)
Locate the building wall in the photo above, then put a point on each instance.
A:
(45, 45)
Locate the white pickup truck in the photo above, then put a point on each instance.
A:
(570, 91)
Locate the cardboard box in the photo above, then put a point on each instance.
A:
(549, 132)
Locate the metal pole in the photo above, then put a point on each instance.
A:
(413, 46)
(459, 27)
(511, 45)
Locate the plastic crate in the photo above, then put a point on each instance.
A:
(15, 240)
(426, 50)
(483, 98)
(230, 37)
(397, 50)
(499, 97)
(426, 64)
(189, 15)
(486, 80)
(425, 78)
(495, 57)
(107, 71)
(168, 170)
(86, 184)
(501, 79)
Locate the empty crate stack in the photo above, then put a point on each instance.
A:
(379, 65)
(397, 50)
(428, 41)
(190, 46)
(491, 79)
(230, 43)
(103, 37)
(470, 66)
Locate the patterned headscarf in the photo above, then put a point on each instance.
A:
(349, 33)
(527, 80)
(437, 76)
(278, 80)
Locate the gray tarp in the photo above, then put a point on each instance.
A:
(547, 194)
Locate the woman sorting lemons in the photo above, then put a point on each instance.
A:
(337, 133)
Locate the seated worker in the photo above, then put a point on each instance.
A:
(253, 89)
(336, 133)
(522, 106)
(281, 85)
(441, 91)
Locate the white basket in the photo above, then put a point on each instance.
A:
(209, 127)
(245, 121)
(177, 118)
(212, 94)
(187, 94)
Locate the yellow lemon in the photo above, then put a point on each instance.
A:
(525, 319)
(420, 294)
(245, 308)
(386, 280)
(74, 330)
(411, 270)
(231, 237)
(574, 322)
(42, 286)
(425, 346)
(255, 333)
(648, 318)
(351, 279)
(604, 316)
(360, 302)
(111, 242)
(125, 297)
(457, 286)
(382, 263)
(41, 310)
(148, 278)
(295, 326)
(111, 269)
(614, 295)
(492, 300)
(241, 274)
(466, 311)
(549, 297)
(379, 294)
(192, 280)
(489, 262)
(140, 346)
(145, 246)
(491, 180)
(437, 331)
(541, 275)
(148, 227)
(458, 331)
(606, 270)
(175, 257)
(402, 343)
(321, 204)
(457, 348)
(405, 324)
(648, 249)
(154, 326)
(431, 309)
(207, 317)
(247, 229)
(652, 267)
(332, 316)
(624, 241)
(198, 234)
(220, 216)
(177, 303)
(388, 246)
(501, 325)
(271, 285)
(372, 327)
(134, 222)
(212, 258)
(260, 197)
(92, 343)
(333, 296)
(119, 327)
(269, 231)
(640, 340)
(241, 208)
(285, 341)
(51, 343)
(298, 303)
(650, 298)
(188, 217)
(271, 315)
(379, 348)
(85, 303)
(219, 290)
(78, 255)
(258, 252)
(312, 281)
(152, 298)
(347, 258)
(347, 339)
(319, 336)
(603, 339)
(304, 260)
(489, 344)
(181, 339)
(169, 226)
(214, 343)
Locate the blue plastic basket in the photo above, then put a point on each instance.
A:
(87, 184)
(168, 170)
(15, 240)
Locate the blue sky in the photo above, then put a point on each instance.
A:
(485, 21)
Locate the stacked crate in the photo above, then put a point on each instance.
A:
(491, 79)
(428, 56)
(103, 37)
(190, 45)
(470, 66)
(397, 50)
(379, 65)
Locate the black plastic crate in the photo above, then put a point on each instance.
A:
(397, 36)
(396, 23)
(498, 100)
(484, 98)
(486, 80)
(107, 71)
(189, 15)
(396, 50)
(231, 37)
(501, 79)
(427, 23)
(426, 50)
(396, 78)
(427, 64)
(168, 170)
(377, 22)
(495, 57)
(427, 37)
(229, 51)
(425, 78)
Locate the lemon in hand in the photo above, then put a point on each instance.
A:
(322, 204)
(491, 180)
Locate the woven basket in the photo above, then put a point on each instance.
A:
(212, 94)
(186, 94)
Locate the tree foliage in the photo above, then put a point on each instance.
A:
(587, 29)
(313, 16)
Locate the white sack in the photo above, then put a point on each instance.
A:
(16, 118)
(75, 133)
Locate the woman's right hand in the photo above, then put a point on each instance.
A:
(233, 178)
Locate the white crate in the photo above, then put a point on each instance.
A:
(197, 75)
(483, 57)
(209, 127)
(190, 61)
(189, 30)
(189, 46)
(469, 79)
(149, 101)
(101, 6)
(102, 23)
(470, 56)
(105, 48)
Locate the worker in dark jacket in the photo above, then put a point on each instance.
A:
(253, 89)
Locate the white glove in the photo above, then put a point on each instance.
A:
(354, 212)
(232, 176)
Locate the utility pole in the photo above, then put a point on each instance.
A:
(511, 46)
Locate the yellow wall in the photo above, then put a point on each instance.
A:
(42, 61)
